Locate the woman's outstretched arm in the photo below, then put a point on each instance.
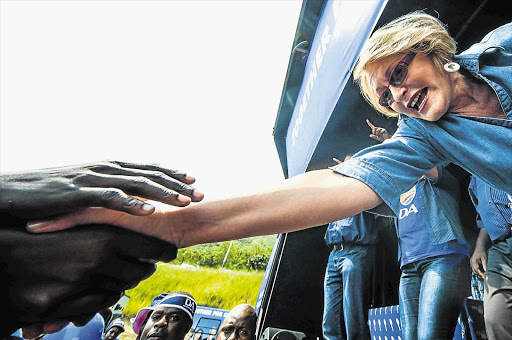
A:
(308, 200)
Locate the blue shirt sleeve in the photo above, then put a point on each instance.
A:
(391, 167)
(418, 146)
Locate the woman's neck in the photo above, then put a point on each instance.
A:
(474, 98)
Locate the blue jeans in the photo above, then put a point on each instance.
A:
(347, 291)
(431, 295)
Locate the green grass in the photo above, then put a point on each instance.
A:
(216, 288)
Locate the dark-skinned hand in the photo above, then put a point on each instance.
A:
(50, 279)
(112, 185)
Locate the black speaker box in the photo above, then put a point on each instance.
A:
(271, 333)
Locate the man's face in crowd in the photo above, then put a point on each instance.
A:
(239, 324)
(166, 323)
(112, 333)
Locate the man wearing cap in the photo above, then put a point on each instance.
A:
(114, 329)
(169, 317)
(239, 324)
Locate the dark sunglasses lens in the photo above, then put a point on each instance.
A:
(398, 75)
(385, 98)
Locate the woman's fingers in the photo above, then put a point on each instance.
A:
(84, 216)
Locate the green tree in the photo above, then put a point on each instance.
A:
(245, 254)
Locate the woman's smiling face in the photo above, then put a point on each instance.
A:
(425, 93)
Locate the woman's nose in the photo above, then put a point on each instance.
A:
(398, 92)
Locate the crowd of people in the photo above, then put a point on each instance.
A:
(408, 68)
(169, 317)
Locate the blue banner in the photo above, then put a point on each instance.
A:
(344, 27)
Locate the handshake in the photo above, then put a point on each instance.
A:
(50, 279)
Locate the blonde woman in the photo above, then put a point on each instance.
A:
(408, 68)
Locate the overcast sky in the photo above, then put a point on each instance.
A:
(191, 85)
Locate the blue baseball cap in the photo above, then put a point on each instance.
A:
(117, 323)
(180, 301)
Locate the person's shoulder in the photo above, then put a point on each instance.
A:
(500, 37)
(501, 33)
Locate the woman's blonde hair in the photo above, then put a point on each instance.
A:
(414, 32)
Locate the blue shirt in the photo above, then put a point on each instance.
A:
(493, 208)
(482, 146)
(359, 229)
(415, 242)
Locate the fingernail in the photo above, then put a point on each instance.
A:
(34, 226)
(183, 199)
(147, 207)
(197, 194)
(190, 178)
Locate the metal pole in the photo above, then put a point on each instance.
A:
(227, 252)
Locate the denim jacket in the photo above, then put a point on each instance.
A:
(482, 146)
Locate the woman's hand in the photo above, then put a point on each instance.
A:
(304, 201)
(157, 224)
(112, 185)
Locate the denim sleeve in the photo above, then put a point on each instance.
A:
(393, 166)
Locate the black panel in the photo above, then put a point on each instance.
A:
(296, 301)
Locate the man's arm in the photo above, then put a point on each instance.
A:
(48, 281)
(113, 185)
(70, 275)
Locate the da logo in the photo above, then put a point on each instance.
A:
(407, 197)
(190, 304)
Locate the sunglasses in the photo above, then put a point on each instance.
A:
(397, 78)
